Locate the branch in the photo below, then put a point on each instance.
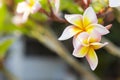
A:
(52, 16)
(6, 72)
(41, 10)
(111, 48)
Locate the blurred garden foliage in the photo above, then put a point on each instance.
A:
(46, 27)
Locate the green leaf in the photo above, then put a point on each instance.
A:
(70, 6)
(16, 1)
(44, 4)
(4, 46)
(2, 16)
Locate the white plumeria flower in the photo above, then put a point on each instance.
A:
(114, 3)
(85, 46)
(25, 8)
(86, 23)
(18, 19)
(87, 35)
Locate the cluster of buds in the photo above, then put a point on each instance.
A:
(87, 35)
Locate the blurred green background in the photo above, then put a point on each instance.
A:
(23, 51)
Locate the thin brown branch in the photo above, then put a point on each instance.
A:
(52, 16)
(50, 7)
(44, 11)
(58, 19)
(6, 72)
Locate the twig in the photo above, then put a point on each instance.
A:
(58, 19)
(44, 11)
(50, 7)
(111, 48)
(6, 72)
(53, 16)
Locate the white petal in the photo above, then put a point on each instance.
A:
(22, 7)
(17, 20)
(25, 16)
(114, 3)
(75, 19)
(69, 32)
(76, 42)
(36, 7)
(95, 36)
(89, 16)
(98, 45)
(101, 29)
(57, 5)
(92, 59)
(82, 38)
(81, 51)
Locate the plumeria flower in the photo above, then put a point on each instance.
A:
(85, 46)
(86, 23)
(114, 3)
(18, 19)
(27, 7)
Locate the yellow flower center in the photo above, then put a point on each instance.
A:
(31, 3)
(85, 25)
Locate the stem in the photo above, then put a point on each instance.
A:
(6, 72)
(8, 75)
(111, 48)
(58, 19)
(44, 11)
(53, 16)
(46, 37)
(50, 7)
